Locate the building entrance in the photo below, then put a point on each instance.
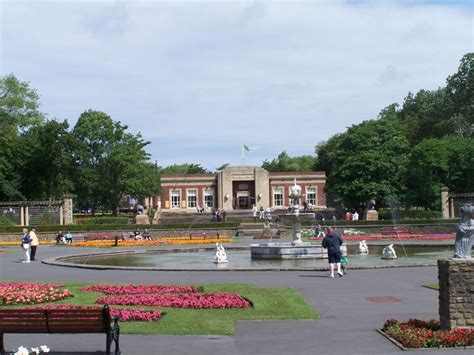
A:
(243, 194)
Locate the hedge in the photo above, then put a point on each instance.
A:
(409, 214)
(103, 220)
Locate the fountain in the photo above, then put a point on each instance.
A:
(297, 249)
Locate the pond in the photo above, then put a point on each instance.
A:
(408, 255)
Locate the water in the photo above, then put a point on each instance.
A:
(240, 259)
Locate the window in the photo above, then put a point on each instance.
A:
(209, 198)
(175, 198)
(278, 196)
(192, 198)
(311, 196)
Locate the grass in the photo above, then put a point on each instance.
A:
(433, 286)
(268, 304)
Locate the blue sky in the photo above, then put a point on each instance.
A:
(198, 79)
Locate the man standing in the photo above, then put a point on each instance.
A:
(34, 243)
(332, 242)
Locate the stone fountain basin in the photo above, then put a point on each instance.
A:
(281, 251)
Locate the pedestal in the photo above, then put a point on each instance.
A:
(142, 219)
(372, 215)
(456, 290)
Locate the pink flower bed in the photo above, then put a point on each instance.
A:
(30, 293)
(139, 289)
(405, 236)
(124, 314)
(184, 300)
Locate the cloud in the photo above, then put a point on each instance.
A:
(198, 79)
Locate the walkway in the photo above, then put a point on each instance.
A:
(347, 323)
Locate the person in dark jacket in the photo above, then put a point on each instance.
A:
(332, 242)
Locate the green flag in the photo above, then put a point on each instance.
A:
(246, 147)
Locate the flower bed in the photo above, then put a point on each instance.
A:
(185, 300)
(427, 334)
(131, 243)
(30, 293)
(139, 289)
(124, 314)
(406, 236)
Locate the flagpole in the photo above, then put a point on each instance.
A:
(243, 157)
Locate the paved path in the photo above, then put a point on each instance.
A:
(347, 323)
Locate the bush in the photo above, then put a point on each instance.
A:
(6, 222)
(103, 220)
(408, 214)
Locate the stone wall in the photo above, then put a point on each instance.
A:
(456, 293)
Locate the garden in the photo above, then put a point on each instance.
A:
(165, 309)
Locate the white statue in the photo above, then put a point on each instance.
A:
(389, 252)
(363, 247)
(295, 190)
(220, 255)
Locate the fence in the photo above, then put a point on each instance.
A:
(34, 213)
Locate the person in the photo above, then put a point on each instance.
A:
(25, 244)
(68, 238)
(254, 213)
(355, 216)
(347, 217)
(305, 206)
(224, 215)
(34, 242)
(147, 235)
(319, 232)
(262, 213)
(59, 237)
(332, 242)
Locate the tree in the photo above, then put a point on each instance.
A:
(184, 169)
(18, 111)
(109, 160)
(435, 163)
(366, 162)
(47, 162)
(286, 163)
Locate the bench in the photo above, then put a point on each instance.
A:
(203, 235)
(55, 321)
(396, 230)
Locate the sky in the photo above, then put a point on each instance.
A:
(199, 79)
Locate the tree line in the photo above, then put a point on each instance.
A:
(97, 160)
(404, 156)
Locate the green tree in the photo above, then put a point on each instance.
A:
(435, 163)
(109, 160)
(366, 162)
(19, 106)
(286, 163)
(47, 161)
(184, 169)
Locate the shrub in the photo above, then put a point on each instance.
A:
(103, 220)
(6, 222)
(386, 214)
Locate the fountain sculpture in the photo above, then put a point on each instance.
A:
(363, 247)
(297, 249)
(389, 252)
(220, 256)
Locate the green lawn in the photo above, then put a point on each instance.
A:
(268, 303)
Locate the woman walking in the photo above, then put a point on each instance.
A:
(25, 244)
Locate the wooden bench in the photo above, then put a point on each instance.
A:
(203, 235)
(396, 230)
(65, 321)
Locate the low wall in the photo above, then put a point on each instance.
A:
(456, 293)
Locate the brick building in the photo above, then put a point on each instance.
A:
(238, 188)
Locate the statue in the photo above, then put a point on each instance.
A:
(220, 255)
(267, 217)
(295, 193)
(464, 233)
(389, 252)
(363, 248)
(371, 205)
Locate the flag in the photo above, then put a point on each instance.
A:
(246, 147)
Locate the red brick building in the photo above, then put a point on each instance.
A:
(239, 187)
